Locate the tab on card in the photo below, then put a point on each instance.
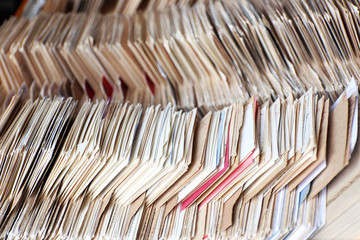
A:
(247, 144)
(81, 147)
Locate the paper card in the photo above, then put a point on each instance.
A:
(336, 145)
(247, 137)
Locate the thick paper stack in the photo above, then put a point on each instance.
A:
(110, 170)
(342, 206)
(180, 120)
(207, 55)
(32, 7)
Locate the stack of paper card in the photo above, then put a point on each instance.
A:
(111, 170)
(342, 202)
(182, 119)
(57, 156)
(208, 55)
(31, 7)
(269, 189)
